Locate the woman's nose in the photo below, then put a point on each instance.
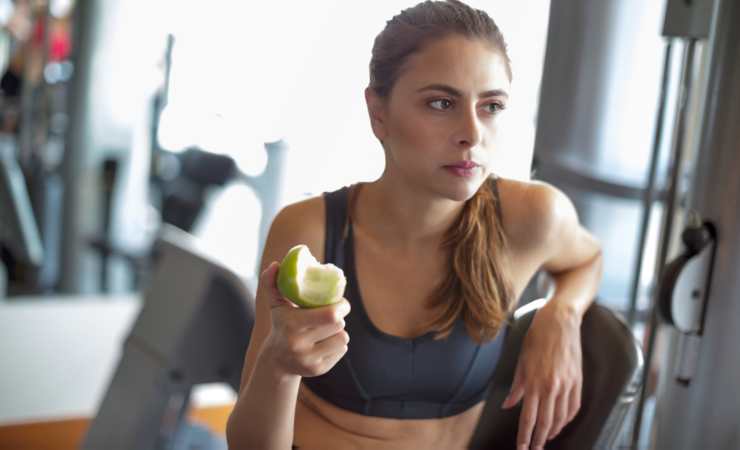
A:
(469, 132)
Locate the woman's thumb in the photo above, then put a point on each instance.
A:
(268, 285)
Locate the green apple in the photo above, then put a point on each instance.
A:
(306, 282)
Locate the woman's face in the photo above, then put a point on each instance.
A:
(442, 113)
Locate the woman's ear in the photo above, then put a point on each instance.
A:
(376, 111)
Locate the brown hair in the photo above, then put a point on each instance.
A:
(475, 287)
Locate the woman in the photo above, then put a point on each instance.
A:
(436, 253)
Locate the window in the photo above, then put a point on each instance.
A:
(243, 75)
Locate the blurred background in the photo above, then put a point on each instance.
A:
(122, 119)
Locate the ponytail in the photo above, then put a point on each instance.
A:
(475, 287)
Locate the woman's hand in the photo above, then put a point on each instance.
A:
(304, 342)
(548, 376)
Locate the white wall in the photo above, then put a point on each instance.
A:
(58, 356)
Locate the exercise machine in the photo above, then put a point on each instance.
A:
(19, 236)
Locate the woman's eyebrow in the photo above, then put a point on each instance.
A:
(456, 93)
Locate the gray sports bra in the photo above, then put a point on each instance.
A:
(388, 376)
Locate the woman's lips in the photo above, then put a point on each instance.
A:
(461, 171)
(463, 165)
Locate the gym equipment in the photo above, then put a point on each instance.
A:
(698, 396)
(184, 197)
(612, 369)
(19, 234)
(193, 328)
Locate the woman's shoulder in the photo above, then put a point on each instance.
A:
(304, 221)
(311, 211)
(311, 208)
(529, 208)
(301, 222)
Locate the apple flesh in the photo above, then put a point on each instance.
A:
(308, 283)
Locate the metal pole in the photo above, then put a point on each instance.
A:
(667, 229)
(649, 193)
(77, 145)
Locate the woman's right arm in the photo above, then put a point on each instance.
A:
(286, 343)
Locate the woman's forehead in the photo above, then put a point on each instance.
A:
(469, 65)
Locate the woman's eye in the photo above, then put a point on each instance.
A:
(495, 107)
(443, 102)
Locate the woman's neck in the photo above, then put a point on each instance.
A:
(402, 217)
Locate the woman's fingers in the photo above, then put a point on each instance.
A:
(337, 349)
(321, 357)
(268, 285)
(302, 320)
(329, 315)
(545, 412)
(333, 359)
(517, 389)
(267, 289)
(321, 332)
(326, 353)
(560, 413)
(331, 345)
(527, 421)
(544, 419)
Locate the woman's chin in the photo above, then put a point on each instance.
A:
(461, 191)
(464, 183)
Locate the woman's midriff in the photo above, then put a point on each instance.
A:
(319, 425)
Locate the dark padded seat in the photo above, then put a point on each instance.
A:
(612, 368)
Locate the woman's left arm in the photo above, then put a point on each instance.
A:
(549, 374)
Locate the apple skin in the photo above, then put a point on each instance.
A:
(287, 281)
